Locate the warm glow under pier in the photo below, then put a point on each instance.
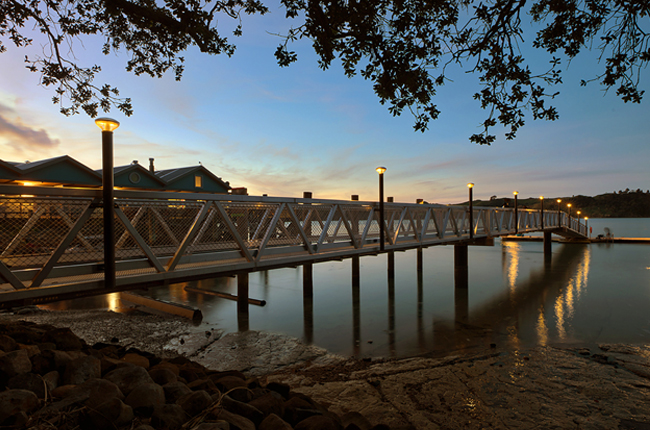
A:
(52, 240)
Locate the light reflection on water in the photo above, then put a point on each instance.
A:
(516, 297)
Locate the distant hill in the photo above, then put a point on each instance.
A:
(624, 204)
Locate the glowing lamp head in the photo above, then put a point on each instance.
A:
(586, 218)
(515, 192)
(559, 200)
(579, 212)
(568, 205)
(380, 170)
(470, 185)
(107, 124)
(541, 197)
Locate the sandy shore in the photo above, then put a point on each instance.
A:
(605, 387)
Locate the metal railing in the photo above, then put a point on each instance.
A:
(52, 239)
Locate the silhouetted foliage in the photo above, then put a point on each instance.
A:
(610, 205)
(406, 48)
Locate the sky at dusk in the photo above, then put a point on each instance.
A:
(282, 131)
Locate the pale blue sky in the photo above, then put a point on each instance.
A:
(282, 131)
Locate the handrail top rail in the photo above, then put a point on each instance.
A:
(11, 191)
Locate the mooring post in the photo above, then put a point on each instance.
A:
(356, 306)
(242, 301)
(308, 280)
(461, 284)
(419, 258)
(391, 264)
(391, 312)
(420, 276)
(547, 244)
(308, 301)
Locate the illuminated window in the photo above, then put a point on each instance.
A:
(197, 181)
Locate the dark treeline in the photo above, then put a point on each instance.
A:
(620, 204)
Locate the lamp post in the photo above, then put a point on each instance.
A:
(578, 218)
(569, 206)
(108, 125)
(558, 212)
(587, 232)
(516, 217)
(381, 171)
(471, 211)
(541, 198)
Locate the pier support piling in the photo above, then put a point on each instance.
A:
(308, 301)
(547, 245)
(391, 264)
(356, 306)
(461, 283)
(419, 259)
(242, 301)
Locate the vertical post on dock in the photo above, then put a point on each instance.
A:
(420, 265)
(461, 284)
(308, 301)
(391, 264)
(516, 214)
(381, 171)
(108, 125)
(356, 306)
(391, 303)
(547, 245)
(242, 301)
(471, 211)
(420, 323)
(541, 199)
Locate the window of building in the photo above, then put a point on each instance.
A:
(197, 181)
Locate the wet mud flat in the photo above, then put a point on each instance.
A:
(600, 387)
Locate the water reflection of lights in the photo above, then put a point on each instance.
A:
(113, 302)
(513, 250)
(565, 302)
(542, 330)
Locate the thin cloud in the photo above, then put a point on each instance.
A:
(22, 137)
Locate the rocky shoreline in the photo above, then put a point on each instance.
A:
(560, 386)
(51, 378)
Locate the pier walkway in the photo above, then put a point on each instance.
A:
(51, 241)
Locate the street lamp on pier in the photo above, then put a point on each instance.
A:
(516, 217)
(541, 199)
(108, 125)
(569, 206)
(587, 232)
(559, 223)
(381, 170)
(471, 211)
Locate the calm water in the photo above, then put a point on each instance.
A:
(597, 293)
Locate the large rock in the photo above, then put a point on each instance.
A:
(64, 339)
(195, 402)
(274, 422)
(243, 409)
(168, 417)
(7, 343)
(174, 391)
(145, 398)
(81, 369)
(270, 403)
(15, 403)
(162, 376)
(28, 381)
(110, 415)
(97, 391)
(128, 377)
(14, 363)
